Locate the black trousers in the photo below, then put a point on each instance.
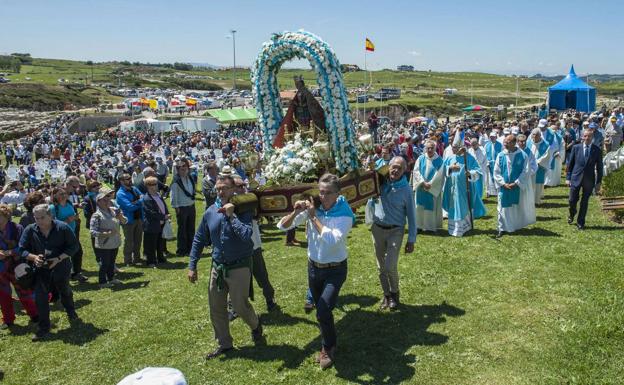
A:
(154, 247)
(290, 235)
(48, 280)
(575, 193)
(77, 260)
(186, 229)
(107, 264)
(261, 275)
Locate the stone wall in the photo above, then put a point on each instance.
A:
(95, 122)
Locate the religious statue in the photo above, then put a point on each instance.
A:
(304, 115)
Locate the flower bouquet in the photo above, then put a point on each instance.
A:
(295, 163)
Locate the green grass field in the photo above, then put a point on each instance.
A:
(543, 306)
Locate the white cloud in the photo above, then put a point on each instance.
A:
(414, 53)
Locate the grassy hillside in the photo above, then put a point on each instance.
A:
(420, 89)
(40, 97)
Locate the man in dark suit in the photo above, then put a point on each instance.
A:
(584, 171)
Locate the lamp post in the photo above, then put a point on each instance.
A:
(233, 31)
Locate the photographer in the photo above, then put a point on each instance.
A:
(48, 244)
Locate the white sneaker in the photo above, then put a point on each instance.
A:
(115, 282)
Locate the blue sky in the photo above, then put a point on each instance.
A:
(488, 36)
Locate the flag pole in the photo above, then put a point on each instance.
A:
(365, 88)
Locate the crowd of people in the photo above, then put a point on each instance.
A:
(121, 183)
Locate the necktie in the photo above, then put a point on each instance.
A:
(586, 152)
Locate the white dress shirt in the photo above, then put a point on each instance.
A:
(330, 245)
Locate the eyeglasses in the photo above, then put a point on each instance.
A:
(151, 184)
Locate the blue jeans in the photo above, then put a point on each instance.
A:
(325, 285)
(45, 281)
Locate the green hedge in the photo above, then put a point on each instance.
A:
(613, 186)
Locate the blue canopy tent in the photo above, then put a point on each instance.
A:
(572, 92)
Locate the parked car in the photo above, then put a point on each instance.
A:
(5, 80)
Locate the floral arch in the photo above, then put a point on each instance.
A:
(301, 44)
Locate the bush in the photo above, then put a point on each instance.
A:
(196, 84)
(613, 186)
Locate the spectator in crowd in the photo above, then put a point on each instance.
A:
(155, 215)
(13, 193)
(183, 201)
(129, 201)
(32, 199)
(10, 233)
(89, 204)
(64, 211)
(106, 234)
(209, 182)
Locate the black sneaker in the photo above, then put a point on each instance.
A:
(271, 305)
(79, 277)
(40, 335)
(73, 317)
(256, 334)
(6, 326)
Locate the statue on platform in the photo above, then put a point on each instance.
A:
(304, 115)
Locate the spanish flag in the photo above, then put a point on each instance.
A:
(369, 45)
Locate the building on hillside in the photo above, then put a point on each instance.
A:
(349, 68)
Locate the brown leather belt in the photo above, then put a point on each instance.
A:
(327, 265)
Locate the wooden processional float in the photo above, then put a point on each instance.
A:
(332, 128)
